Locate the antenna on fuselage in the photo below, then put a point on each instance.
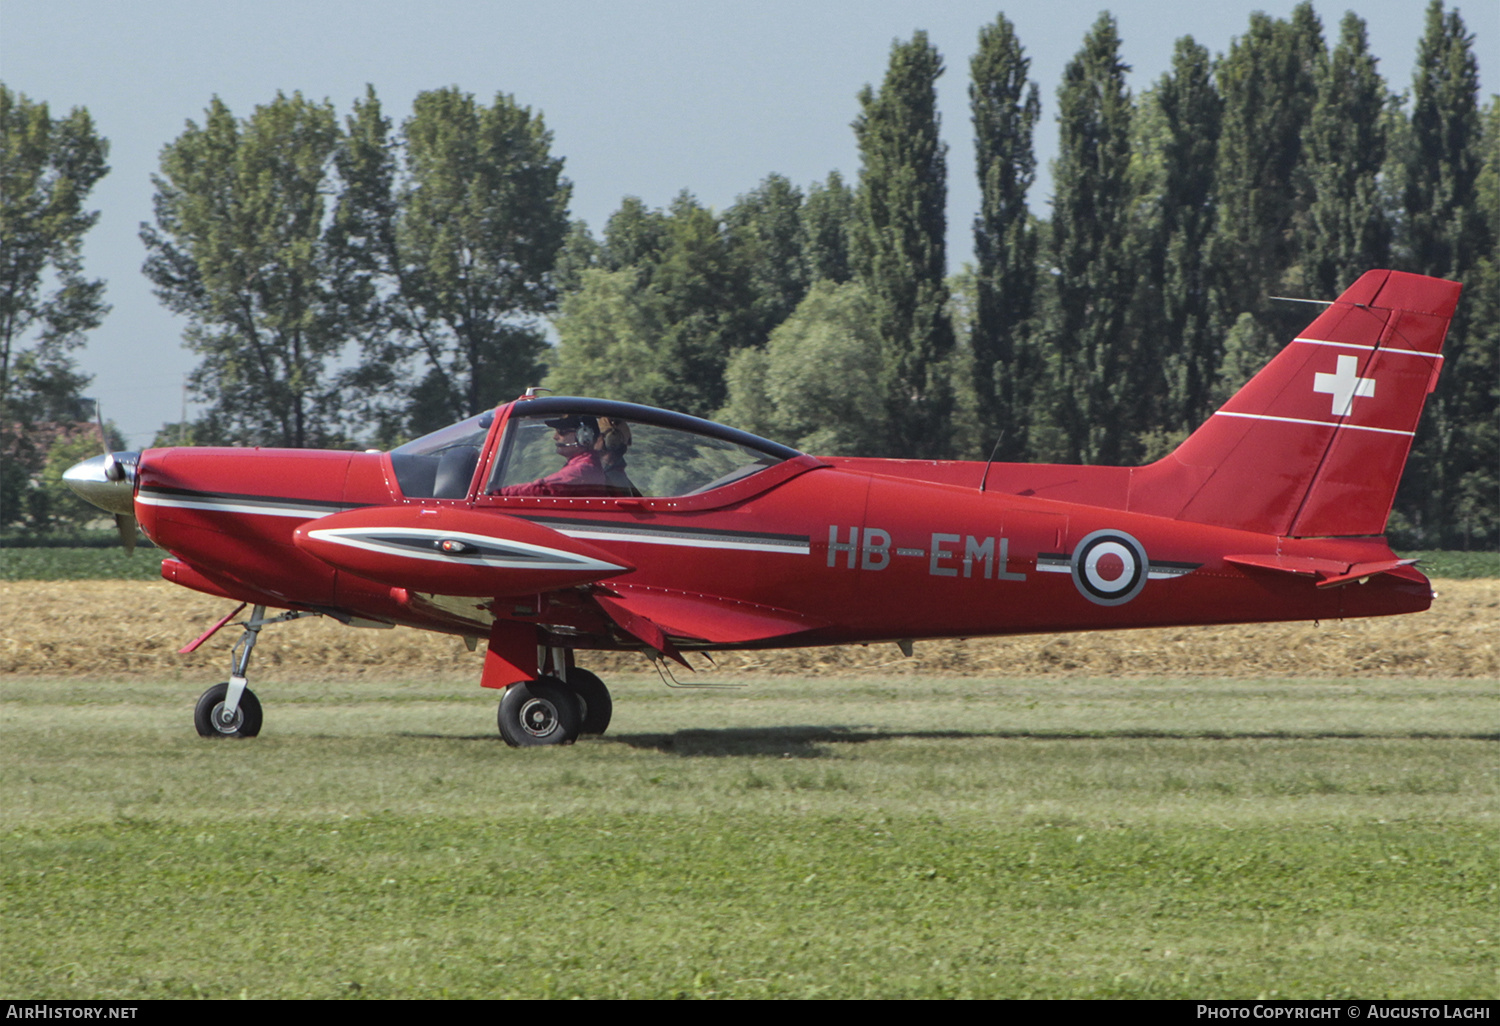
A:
(990, 461)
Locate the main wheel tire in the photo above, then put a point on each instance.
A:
(538, 712)
(593, 696)
(208, 717)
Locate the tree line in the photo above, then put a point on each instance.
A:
(351, 281)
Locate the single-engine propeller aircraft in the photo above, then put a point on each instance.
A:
(668, 534)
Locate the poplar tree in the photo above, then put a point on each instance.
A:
(898, 245)
(1268, 83)
(1092, 395)
(767, 236)
(1445, 232)
(1191, 113)
(827, 222)
(1344, 147)
(1005, 106)
(1447, 492)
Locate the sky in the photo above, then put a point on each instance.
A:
(645, 98)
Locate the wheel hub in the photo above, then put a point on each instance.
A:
(225, 723)
(538, 717)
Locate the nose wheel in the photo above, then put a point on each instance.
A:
(214, 718)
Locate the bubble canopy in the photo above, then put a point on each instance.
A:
(561, 445)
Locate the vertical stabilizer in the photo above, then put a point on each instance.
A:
(1314, 444)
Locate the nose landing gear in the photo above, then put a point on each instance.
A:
(231, 709)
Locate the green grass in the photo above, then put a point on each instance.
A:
(1457, 565)
(80, 564)
(849, 838)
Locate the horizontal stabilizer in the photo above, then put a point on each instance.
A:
(1330, 572)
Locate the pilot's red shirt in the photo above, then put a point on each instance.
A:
(581, 475)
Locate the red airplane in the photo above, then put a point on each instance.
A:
(552, 525)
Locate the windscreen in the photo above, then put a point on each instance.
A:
(441, 465)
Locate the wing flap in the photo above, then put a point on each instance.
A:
(691, 615)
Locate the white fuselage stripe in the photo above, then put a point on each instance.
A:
(230, 506)
(1316, 423)
(687, 541)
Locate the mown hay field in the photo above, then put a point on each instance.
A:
(109, 628)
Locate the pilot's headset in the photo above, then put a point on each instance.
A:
(586, 429)
(614, 437)
(588, 432)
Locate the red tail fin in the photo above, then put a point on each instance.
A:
(1314, 444)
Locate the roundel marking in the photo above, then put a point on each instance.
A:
(1109, 567)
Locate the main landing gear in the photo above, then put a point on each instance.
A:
(551, 711)
(231, 709)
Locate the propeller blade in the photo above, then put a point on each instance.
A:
(125, 524)
(99, 423)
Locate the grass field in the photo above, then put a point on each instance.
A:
(857, 836)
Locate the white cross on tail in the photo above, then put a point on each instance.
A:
(1344, 384)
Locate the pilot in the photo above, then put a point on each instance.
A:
(614, 439)
(575, 438)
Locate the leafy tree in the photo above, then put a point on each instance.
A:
(1344, 148)
(481, 216)
(610, 333)
(766, 234)
(660, 327)
(1006, 106)
(634, 236)
(1093, 393)
(814, 386)
(706, 295)
(1476, 509)
(580, 251)
(899, 245)
(240, 247)
(48, 166)
(827, 219)
(47, 169)
(1445, 233)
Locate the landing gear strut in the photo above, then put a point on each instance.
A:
(231, 709)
